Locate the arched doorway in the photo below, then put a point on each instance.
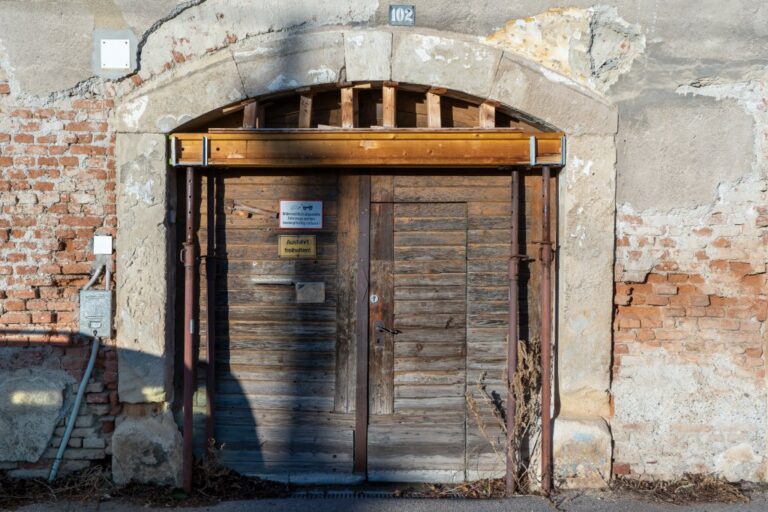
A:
(256, 66)
(362, 334)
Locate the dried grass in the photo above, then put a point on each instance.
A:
(692, 488)
(211, 484)
(526, 387)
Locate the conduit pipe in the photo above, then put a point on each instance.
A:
(83, 384)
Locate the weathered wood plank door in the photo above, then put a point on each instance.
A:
(417, 336)
(278, 411)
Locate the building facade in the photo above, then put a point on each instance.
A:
(661, 213)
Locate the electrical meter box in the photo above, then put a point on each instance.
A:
(96, 313)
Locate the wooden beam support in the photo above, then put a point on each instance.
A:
(433, 110)
(250, 118)
(305, 110)
(367, 148)
(389, 106)
(349, 116)
(487, 115)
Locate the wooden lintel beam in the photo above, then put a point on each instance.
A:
(349, 114)
(305, 110)
(433, 110)
(368, 148)
(487, 115)
(389, 106)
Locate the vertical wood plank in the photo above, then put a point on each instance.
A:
(360, 463)
(305, 111)
(382, 188)
(349, 113)
(487, 115)
(382, 313)
(348, 235)
(389, 105)
(249, 115)
(433, 110)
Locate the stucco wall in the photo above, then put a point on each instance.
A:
(688, 85)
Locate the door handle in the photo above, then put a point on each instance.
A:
(380, 327)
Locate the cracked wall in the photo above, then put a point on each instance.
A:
(689, 88)
(692, 304)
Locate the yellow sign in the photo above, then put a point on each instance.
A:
(297, 246)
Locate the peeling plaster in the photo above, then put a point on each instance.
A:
(592, 46)
(690, 404)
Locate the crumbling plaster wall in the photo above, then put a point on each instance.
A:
(678, 154)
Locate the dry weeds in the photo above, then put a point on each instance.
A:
(692, 488)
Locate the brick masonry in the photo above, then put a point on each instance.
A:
(57, 189)
(689, 337)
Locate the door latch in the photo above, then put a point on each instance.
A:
(380, 327)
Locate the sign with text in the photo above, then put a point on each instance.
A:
(297, 246)
(301, 214)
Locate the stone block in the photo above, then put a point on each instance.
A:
(94, 442)
(31, 405)
(581, 451)
(288, 63)
(143, 325)
(367, 55)
(147, 449)
(462, 65)
(552, 99)
(180, 96)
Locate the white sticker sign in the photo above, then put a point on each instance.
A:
(301, 214)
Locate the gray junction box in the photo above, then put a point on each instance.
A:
(96, 313)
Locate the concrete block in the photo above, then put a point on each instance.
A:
(288, 63)
(581, 451)
(457, 64)
(367, 55)
(147, 449)
(143, 327)
(31, 405)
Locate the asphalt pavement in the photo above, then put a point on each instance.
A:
(565, 502)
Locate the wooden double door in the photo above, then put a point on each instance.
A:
(379, 377)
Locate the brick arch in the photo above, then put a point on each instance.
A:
(257, 66)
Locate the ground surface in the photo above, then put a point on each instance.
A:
(567, 502)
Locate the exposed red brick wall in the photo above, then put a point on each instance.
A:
(689, 367)
(57, 189)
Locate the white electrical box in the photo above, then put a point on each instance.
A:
(115, 54)
(102, 244)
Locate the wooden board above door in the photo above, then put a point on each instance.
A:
(367, 148)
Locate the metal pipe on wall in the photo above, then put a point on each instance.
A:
(512, 337)
(210, 339)
(546, 337)
(188, 259)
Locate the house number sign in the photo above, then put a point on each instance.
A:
(402, 15)
(301, 214)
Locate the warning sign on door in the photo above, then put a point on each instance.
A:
(301, 214)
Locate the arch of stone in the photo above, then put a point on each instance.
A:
(253, 67)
